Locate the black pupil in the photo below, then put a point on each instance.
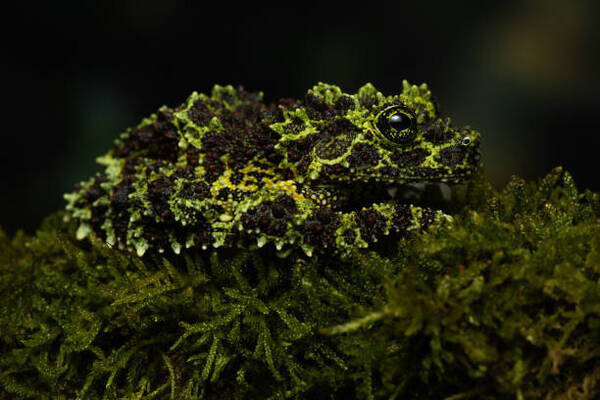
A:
(399, 121)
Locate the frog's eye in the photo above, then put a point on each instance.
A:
(396, 124)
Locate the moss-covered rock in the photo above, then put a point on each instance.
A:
(503, 303)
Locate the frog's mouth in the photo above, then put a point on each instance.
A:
(357, 196)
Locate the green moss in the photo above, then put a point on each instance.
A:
(504, 303)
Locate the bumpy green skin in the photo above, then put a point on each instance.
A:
(229, 170)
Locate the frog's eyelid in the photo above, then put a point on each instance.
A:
(402, 107)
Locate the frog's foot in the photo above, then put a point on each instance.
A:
(361, 218)
(328, 231)
(359, 229)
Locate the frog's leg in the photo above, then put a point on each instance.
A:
(299, 218)
(330, 230)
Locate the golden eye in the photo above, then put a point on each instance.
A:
(396, 124)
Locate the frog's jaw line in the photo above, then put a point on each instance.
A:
(370, 179)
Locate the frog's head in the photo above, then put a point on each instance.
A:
(332, 138)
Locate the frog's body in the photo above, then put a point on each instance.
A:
(226, 170)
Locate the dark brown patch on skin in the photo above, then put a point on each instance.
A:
(335, 170)
(158, 140)
(337, 138)
(363, 154)
(371, 224)
(319, 228)
(344, 104)
(192, 157)
(409, 159)
(98, 218)
(435, 133)
(317, 109)
(200, 114)
(212, 144)
(301, 147)
(339, 127)
(159, 192)
(303, 165)
(333, 148)
(244, 137)
(271, 217)
(264, 141)
(247, 135)
(155, 233)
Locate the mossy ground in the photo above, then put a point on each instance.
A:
(504, 303)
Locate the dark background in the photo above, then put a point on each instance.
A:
(76, 74)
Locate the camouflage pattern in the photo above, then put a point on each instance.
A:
(229, 170)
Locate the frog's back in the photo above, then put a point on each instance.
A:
(177, 178)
